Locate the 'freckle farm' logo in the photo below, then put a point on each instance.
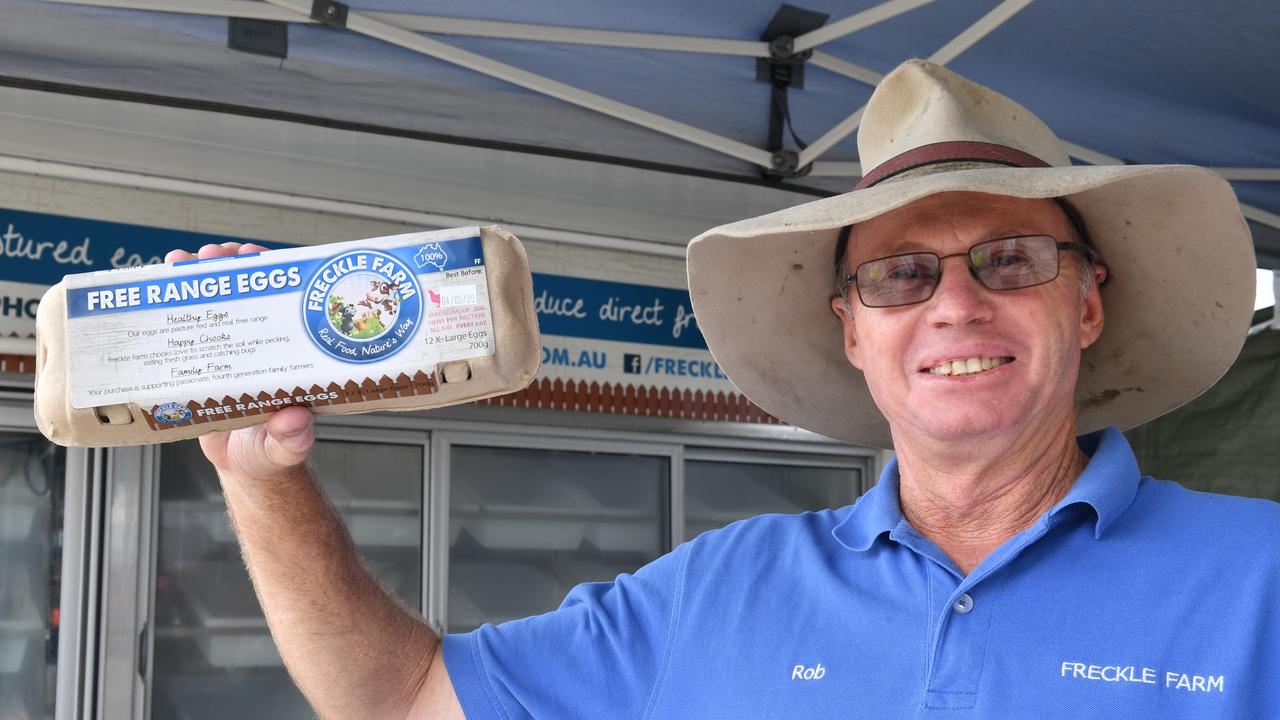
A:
(362, 306)
(171, 413)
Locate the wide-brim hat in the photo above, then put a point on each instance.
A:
(1178, 303)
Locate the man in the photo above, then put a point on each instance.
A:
(1001, 568)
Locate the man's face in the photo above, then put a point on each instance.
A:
(1038, 332)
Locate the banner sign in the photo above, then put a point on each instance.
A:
(39, 248)
(607, 346)
(579, 307)
(36, 250)
(622, 332)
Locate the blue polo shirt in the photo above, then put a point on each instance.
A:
(1132, 597)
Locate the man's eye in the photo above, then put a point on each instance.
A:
(1008, 259)
(906, 272)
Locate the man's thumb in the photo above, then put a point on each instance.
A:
(290, 436)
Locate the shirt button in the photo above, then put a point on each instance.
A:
(963, 604)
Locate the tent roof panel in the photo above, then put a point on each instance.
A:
(1147, 81)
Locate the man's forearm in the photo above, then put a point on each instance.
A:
(355, 651)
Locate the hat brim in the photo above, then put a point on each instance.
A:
(1178, 305)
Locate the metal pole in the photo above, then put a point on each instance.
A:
(944, 55)
(365, 25)
(975, 32)
(856, 22)
(255, 10)
(842, 130)
(573, 36)
(249, 9)
(846, 68)
(1275, 309)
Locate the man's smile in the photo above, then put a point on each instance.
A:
(967, 366)
(966, 359)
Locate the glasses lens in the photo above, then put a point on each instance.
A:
(1016, 262)
(898, 280)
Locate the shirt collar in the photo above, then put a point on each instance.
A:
(1108, 485)
(875, 513)
(1109, 482)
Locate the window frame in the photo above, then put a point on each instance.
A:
(862, 463)
(443, 442)
(77, 638)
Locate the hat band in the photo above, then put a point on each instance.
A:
(951, 151)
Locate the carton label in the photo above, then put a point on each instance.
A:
(362, 306)
(207, 339)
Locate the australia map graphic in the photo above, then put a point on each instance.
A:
(431, 255)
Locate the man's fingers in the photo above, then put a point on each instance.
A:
(290, 435)
(212, 251)
(286, 440)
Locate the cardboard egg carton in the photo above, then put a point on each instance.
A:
(169, 352)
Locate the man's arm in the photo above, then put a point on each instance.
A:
(353, 649)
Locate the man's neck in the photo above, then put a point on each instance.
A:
(970, 502)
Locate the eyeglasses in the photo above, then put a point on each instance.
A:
(1010, 263)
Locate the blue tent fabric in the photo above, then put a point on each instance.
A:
(1148, 81)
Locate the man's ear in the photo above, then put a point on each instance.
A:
(852, 350)
(1092, 317)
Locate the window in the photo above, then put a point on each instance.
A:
(527, 524)
(32, 479)
(724, 488)
(213, 655)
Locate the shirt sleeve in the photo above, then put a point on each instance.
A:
(600, 655)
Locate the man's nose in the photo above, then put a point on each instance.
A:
(960, 298)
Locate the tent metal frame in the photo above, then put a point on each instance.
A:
(406, 30)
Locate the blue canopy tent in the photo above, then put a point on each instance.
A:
(675, 86)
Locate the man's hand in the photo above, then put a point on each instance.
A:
(261, 451)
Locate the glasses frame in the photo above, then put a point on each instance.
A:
(1089, 254)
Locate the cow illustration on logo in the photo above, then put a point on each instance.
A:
(362, 306)
(374, 310)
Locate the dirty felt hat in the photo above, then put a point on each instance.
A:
(1178, 304)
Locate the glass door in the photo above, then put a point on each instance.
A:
(531, 518)
(723, 486)
(32, 481)
(213, 655)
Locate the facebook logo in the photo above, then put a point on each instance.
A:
(631, 364)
